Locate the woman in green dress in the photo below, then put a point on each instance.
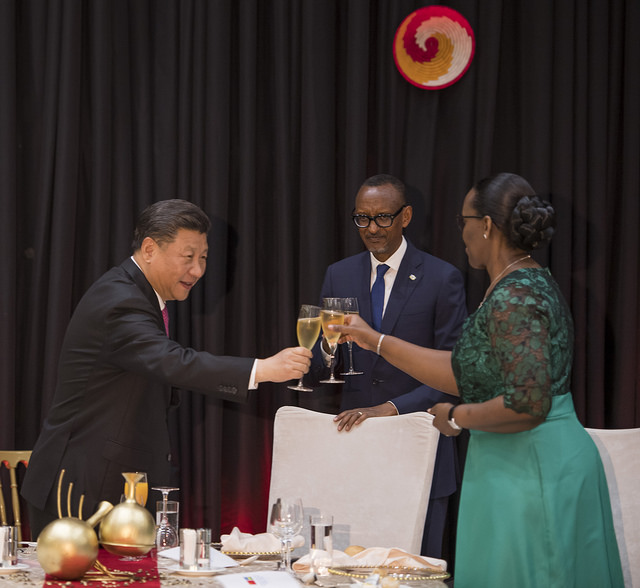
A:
(534, 506)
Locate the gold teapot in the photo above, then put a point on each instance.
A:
(129, 529)
(68, 547)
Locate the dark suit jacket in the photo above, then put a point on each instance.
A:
(109, 412)
(427, 307)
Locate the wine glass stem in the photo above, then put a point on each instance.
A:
(350, 346)
(286, 545)
(165, 514)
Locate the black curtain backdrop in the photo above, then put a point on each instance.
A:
(269, 114)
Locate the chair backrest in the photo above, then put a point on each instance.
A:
(375, 479)
(620, 453)
(11, 459)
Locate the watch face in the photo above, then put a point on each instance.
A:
(454, 425)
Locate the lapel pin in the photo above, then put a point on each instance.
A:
(412, 277)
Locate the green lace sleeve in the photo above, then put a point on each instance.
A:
(519, 332)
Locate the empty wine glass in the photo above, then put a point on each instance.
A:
(166, 533)
(331, 314)
(308, 329)
(285, 522)
(350, 306)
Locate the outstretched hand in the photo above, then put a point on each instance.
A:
(289, 364)
(357, 330)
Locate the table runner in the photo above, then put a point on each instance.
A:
(142, 571)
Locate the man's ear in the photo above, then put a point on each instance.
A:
(148, 249)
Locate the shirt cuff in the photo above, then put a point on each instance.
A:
(252, 377)
(394, 406)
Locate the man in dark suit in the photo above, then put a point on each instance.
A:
(117, 367)
(424, 302)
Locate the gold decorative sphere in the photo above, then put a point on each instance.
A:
(68, 547)
(128, 530)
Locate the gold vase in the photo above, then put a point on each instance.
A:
(129, 529)
(68, 547)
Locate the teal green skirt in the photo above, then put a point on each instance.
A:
(535, 510)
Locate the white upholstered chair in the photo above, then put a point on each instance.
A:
(375, 479)
(620, 453)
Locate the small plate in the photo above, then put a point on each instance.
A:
(399, 573)
(13, 569)
(201, 572)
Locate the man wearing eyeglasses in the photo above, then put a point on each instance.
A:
(421, 299)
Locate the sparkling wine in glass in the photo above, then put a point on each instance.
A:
(166, 533)
(285, 522)
(350, 306)
(308, 330)
(332, 314)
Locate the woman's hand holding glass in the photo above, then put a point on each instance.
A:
(357, 330)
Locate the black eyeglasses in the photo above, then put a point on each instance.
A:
(383, 220)
(460, 219)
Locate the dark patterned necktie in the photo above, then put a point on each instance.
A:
(377, 296)
(165, 317)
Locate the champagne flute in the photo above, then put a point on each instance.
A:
(308, 330)
(332, 314)
(350, 306)
(285, 522)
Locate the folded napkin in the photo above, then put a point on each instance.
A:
(237, 541)
(378, 556)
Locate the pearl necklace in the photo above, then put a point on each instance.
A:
(492, 284)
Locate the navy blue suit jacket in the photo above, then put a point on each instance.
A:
(427, 306)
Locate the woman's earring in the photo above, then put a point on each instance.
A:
(484, 235)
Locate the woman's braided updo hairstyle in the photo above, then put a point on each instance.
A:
(526, 220)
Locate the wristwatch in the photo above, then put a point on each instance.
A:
(452, 421)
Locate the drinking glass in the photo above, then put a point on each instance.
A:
(142, 488)
(321, 543)
(285, 522)
(332, 314)
(166, 533)
(308, 329)
(350, 306)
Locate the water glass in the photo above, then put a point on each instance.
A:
(321, 543)
(167, 516)
(195, 549)
(9, 546)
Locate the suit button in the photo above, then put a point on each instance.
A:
(376, 381)
(168, 457)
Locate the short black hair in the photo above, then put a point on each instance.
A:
(162, 220)
(386, 179)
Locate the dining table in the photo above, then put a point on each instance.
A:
(157, 571)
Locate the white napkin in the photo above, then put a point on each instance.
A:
(237, 541)
(216, 559)
(378, 556)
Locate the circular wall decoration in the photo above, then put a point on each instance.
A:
(433, 47)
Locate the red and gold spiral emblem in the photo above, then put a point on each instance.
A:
(433, 47)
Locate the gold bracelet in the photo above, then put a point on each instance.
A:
(379, 343)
